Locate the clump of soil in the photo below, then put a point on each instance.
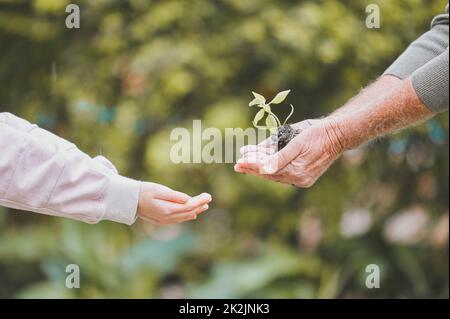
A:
(284, 135)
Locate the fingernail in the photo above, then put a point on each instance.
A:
(207, 196)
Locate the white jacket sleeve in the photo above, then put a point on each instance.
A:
(43, 173)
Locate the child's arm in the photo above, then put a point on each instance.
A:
(43, 173)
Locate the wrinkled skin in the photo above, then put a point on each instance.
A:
(301, 162)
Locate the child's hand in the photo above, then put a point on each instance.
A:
(161, 205)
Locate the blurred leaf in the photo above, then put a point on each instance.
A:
(160, 256)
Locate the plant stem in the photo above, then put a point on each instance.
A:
(276, 118)
(290, 114)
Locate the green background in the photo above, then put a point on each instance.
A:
(137, 68)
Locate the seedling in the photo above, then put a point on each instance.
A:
(282, 133)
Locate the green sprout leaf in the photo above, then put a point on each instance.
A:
(254, 102)
(280, 97)
(258, 100)
(271, 123)
(258, 117)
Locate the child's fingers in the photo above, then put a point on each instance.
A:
(198, 201)
(165, 193)
(203, 209)
(150, 220)
(195, 211)
(182, 217)
(193, 203)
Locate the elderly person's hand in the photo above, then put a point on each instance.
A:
(385, 106)
(301, 162)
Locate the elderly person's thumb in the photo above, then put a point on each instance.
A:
(279, 160)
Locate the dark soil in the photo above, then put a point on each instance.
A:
(284, 135)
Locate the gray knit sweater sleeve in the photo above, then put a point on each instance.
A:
(426, 61)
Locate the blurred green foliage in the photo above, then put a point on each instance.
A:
(138, 68)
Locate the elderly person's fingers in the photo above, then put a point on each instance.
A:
(282, 176)
(257, 148)
(270, 146)
(245, 170)
(255, 156)
(252, 160)
(276, 162)
(268, 142)
(270, 164)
